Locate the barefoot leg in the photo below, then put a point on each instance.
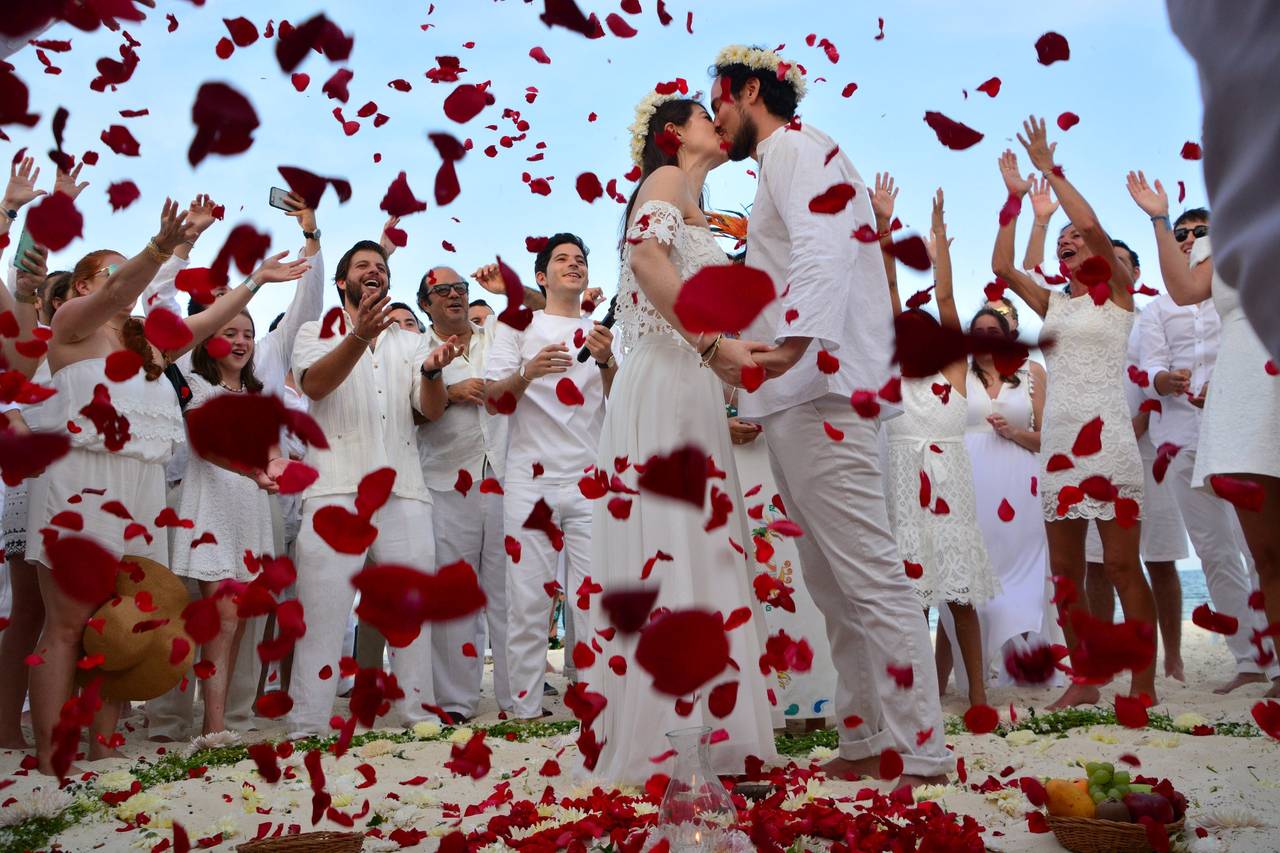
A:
(17, 641)
(59, 647)
(969, 638)
(1120, 557)
(1167, 589)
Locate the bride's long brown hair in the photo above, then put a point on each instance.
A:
(653, 157)
(132, 334)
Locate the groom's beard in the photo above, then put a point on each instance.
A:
(744, 141)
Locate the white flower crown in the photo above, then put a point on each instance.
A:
(763, 60)
(664, 92)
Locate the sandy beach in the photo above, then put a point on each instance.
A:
(1230, 781)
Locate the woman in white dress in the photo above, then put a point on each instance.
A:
(117, 465)
(1239, 449)
(225, 503)
(664, 398)
(932, 508)
(1086, 376)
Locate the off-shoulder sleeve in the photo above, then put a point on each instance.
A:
(655, 220)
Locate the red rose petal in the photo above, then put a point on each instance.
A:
(54, 222)
(683, 650)
(724, 298)
(833, 199)
(1052, 47)
(952, 134)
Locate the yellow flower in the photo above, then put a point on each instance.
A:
(426, 729)
(461, 735)
(1021, 737)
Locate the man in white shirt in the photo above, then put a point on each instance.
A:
(834, 298)
(462, 457)
(1179, 350)
(364, 380)
(553, 434)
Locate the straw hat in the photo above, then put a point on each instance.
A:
(137, 664)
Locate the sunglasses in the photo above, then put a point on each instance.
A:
(109, 269)
(442, 290)
(1180, 234)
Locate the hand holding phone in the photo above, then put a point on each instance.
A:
(25, 243)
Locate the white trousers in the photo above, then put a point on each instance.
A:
(470, 528)
(326, 593)
(835, 492)
(528, 604)
(1228, 568)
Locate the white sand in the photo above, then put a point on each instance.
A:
(1219, 775)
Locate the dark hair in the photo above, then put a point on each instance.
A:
(275, 322)
(478, 302)
(779, 96)
(344, 264)
(395, 306)
(204, 364)
(1120, 244)
(653, 157)
(553, 242)
(1003, 321)
(1013, 309)
(1192, 214)
(57, 285)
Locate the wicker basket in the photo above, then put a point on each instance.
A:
(307, 842)
(1090, 835)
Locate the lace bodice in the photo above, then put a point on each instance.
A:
(692, 248)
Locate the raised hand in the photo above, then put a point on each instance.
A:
(274, 269)
(372, 316)
(937, 227)
(1039, 149)
(174, 228)
(1013, 180)
(1043, 203)
(305, 216)
(22, 184)
(385, 241)
(66, 182)
(883, 198)
(200, 214)
(443, 354)
(1154, 202)
(490, 278)
(31, 271)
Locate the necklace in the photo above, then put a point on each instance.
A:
(239, 390)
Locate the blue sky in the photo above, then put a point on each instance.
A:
(1128, 79)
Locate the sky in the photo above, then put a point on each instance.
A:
(1128, 79)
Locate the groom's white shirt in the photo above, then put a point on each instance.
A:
(831, 285)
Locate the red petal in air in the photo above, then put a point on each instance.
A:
(54, 222)
(683, 650)
(833, 199)
(225, 121)
(991, 87)
(1088, 439)
(466, 101)
(723, 298)
(1210, 620)
(681, 475)
(1244, 494)
(399, 199)
(122, 194)
(981, 719)
(1052, 47)
(568, 394)
(952, 134)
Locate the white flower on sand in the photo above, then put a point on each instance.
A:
(644, 807)
(812, 790)
(1229, 818)
(213, 740)
(1103, 737)
(762, 59)
(226, 826)
(1170, 742)
(426, 728)
(822, 753)
(143, 802)
(930, 792)
(41, 802)
(374, 748)
(116, 780)
(1208, 844)
(461, 735)
(1008, 800)
(1021, 737)
(1188, 721)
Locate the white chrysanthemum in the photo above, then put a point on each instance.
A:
(1103, 737)
(116, 780)
(226, 826)
(518, 833)
(143, 802)
(1021, 737)
(930, 792)
(213, 740)
(1208, 844)
(822, 753)
(426, 728)
(762, 60)
(1170, 742)
(374, 748)
(1188, 721)
(41, 802)
(1229, 818)
(1008, 800)
(644, 807)
(461, 735)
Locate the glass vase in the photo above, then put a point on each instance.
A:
(697, 812)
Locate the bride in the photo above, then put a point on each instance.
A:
(667, 396)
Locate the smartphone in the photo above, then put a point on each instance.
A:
(25, 242)
(277, 199)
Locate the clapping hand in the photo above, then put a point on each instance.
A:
(1154, 202)
(1039, 149)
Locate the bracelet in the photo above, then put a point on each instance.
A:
(155, 253)
(26, 298)
(605, 365)
(11, 212)
(520, 373)
(1164, 217)
(709, 353)
(430, 375)
(365, 341)
(254, 286)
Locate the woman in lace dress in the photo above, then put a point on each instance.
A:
(663, 399)
(108, 462)
(932, 507)
(1090, 467)
(225, 503)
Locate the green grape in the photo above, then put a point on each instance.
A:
(1091, 767)
(1098, 795)
(1113, 794)
(1109, 767)
(1099, 778)
(1140, 789)
(1121, 777)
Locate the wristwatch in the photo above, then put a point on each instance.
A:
(605, 365)
(11, 213)
(311, 235)
(431, 375)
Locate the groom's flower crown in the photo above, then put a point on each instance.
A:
(663, 92)
(761, 59)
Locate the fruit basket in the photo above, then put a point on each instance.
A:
(1090, 835)
(307, 842)
(1108, 810)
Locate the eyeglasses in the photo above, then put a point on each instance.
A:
(1180, 234)
(109, 269)
(443, 290)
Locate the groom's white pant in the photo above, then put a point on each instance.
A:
(528, 605)
(324, 588)
(470, 528)
(834, 491)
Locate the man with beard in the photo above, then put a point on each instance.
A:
(365, 377)
(835, 302)
(462, 457)
(554, 432)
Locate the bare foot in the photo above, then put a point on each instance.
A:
(45, 768)
(18, 742)
(913, 780)
(1173, 669)
(1274, 692)
(1241, 679)
(98, 753)
(1077, 694)
(852, 769)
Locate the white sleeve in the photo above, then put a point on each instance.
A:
(307, 348)
(162, 292)
(308, 302)
(503, 358)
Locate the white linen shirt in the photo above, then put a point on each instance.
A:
(368, 419)
(1179, 337)
(835, 285)
(466, 436)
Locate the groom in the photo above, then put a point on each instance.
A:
(836, 299)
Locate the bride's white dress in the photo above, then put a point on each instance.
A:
(663, 399)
